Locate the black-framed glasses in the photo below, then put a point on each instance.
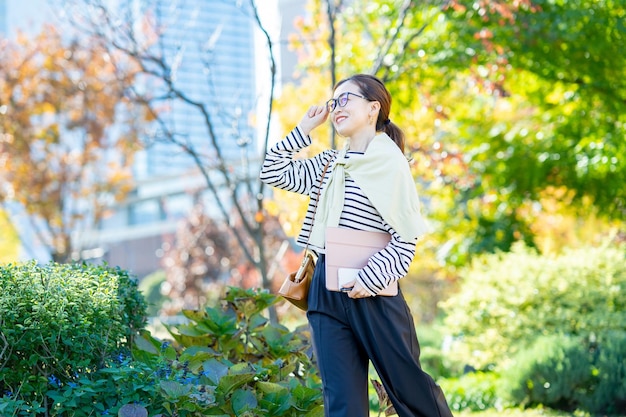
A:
(340, 101)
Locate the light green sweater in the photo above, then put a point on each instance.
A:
(384, 176)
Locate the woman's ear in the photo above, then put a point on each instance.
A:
(375, 107)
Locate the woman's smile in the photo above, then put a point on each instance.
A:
(340, 118)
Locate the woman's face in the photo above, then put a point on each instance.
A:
(355, 115)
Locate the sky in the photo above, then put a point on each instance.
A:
(27, 15)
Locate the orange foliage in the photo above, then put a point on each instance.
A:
(61, 160)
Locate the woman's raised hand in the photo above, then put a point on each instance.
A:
(315, 116)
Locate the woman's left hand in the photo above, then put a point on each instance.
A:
(357, 290)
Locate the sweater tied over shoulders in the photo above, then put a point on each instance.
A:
(384, 176)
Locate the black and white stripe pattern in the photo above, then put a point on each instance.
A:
(281, 170)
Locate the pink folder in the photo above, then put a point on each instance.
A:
(347, 251)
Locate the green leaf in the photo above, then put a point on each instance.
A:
(214, 370)
(316, 412)
(132, 410)
(195, 315)
(276, 399)
(197, 357)
(269, 387)
(228, 383)
(145, 342)
(257, 321)
(243, 400)
(174, 390)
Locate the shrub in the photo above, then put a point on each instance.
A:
(569, 373)
(59, 322)
(150, 287)
(240, 363)
(609, 368)
(228, 360)
(433, 359)
(549, 373)
(475, 391)
(508, 300)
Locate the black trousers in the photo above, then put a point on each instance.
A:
(348, 333)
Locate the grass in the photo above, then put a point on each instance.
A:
(511, 412)
(518, 413)
(507, 413)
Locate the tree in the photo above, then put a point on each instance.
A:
(234, 189)
(62, 162)
(195, 259)
(205, 255)
(555, 74)
(9, 240)
(504, 104)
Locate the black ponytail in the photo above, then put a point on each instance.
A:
(394, 132)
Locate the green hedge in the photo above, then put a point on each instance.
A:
(474, 391)
(508, 300)
(59, 322)
(570, 373)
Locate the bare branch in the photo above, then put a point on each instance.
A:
(395, 33)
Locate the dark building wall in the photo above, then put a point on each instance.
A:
(138, 256)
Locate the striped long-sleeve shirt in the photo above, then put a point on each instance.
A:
(281, 170)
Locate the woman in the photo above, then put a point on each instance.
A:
(368, 186)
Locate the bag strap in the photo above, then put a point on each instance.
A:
(317, 199)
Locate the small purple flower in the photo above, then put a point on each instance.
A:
(54, 380)
(164, 372)
(190, 380)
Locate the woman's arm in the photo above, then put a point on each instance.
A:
(281, 170)
(388, 265)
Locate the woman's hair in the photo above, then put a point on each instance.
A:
(373, 89)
